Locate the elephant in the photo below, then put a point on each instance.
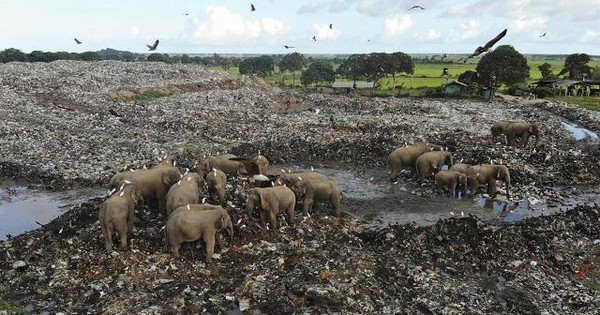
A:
(190, 222)
(290, 179)
(117, 214)
(272, 201)
(522, 131)
(167, 160)
(499, 127)
(460, 167)
(432, 162)
(406, 156)
(221, 162)
(187, 190)
(313, 190)
(488, 173)
(154, 183)
(216, 181)
(451, 179)
(256, 165)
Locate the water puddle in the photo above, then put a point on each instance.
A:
(23, 209)
(369, 196)
(579, 132)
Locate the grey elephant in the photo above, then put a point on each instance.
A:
(521, 131)
(407, 156)
(117, 213)
(432, 162)
(186, 191)
(221, 162)
(460, 167)
(499, 127)
(488, 174)
(451, 180)
(315, 190)
(256, 165)
(153, 183)
(216, 182)
(190, 223)
(272, 201)
(290, 179)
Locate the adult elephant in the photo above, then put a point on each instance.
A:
(499, 127)
(272, 201)
(222, 162)
(186, 191)
(153, 183)
(407, 156)
(488, 174)
(256, 165)
(291, 179)
(522, 131)
(431, 162)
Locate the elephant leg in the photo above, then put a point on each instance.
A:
(492, 188)
(474, 188)
(107, 231)
(291, 215)
(122, 231)
(453, 189)
(263, 218)
(273, 219)
(222, 197)
(209, 240)
(524, 139)
(335, 204)
(306, 205)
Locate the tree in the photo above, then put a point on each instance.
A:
(89, 56)
(576, 66)
(12, 54)
(318, 71)
(159, 57)
(261, 66)
(292, 62)
(401, 63)
(503, 65)
(469, 78)
(545, 69)
(353, 67)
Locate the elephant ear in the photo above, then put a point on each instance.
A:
(222, 222)
(264, 201)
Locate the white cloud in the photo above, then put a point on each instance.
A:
(224, 27)
(98, 37)
(398, 25)
(465, 31)
(273, 27)
(589, 37)
(134, 31)
(323, 32)
(431, 35)
(527, 24)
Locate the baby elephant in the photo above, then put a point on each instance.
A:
(272, 201)
(216, 181)
(318, 191)
(116, 214)
(499, 127)
(192, 222)
(185, 191)
(450, 180)
(488, 174)
(521, 131)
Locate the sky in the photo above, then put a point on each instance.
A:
(357, 26)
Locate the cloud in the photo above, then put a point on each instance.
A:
(310, 8)
(226, 27)
(590, 37)
(527, 24)
(99, 37)
(332, 6)
(431, 35)
(397, 25)
(465, 31)
(323, 32)
(134, 31)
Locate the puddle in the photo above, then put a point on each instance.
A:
(369, 196)
(579, 132)
(23, 209)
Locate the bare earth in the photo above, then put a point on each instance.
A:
(56, 132)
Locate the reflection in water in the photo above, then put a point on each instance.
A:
(22, 209)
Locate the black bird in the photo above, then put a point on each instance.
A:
(186, 14)
(77, 41)
(153, 47)
(488, 45)
(416, 7)
(288, 47)
(330, 25)
(252, 8)
(315, 38)
(543, 35)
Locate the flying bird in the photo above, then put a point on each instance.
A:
(416, 7)
(252, 8)
(288, 47)
(331, 26)
(543, 35)
(315, 38)
(153, 47)
(488, 45)
(77, 41)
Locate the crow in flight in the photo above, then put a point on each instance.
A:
(331, 26)
(77, 41)
(153, 47)
(288, 47)
(488, 45)
(543, 35)
(252, 8)
(416, 7)
(315, 38)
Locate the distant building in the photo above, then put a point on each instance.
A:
(453, 88)
(342, 86)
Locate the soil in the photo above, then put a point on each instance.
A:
(57, 132)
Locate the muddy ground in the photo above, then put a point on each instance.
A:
(57, 132)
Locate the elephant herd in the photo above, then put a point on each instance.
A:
(429, 159)
(189, 218)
